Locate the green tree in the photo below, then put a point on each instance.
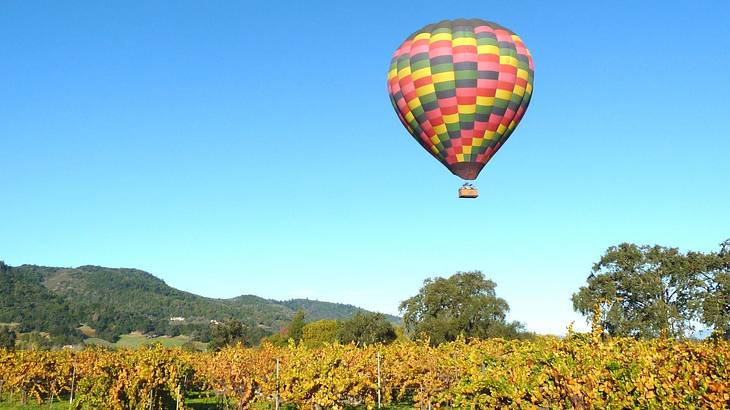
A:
(7, 337)
(510, 330)
(643, 291)
(716, 290)
(465, 303)
(316, 334)
(277, 339)
(366, 329)
(296, 326)
(232, 332)
(189, 346)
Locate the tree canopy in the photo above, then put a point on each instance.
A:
(648, 291)
(7, 337)
(232, 332)
(463, 304)
(316, 334)
(366, 329)
(716, 290)
(295, 329)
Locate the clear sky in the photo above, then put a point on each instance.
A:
(250, 147)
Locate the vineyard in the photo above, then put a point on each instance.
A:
(580, 371)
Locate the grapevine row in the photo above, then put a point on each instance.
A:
(575, 372)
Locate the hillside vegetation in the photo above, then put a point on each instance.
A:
(113, 302)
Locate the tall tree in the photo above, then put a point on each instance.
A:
(366, 329)
(233, 331)
(643, 291)
(716, 290)
(316, 334)
(296, 326)
(465, 303)
(7, 337)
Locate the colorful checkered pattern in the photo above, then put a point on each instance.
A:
(460, 87)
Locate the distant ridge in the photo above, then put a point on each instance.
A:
(114, 302)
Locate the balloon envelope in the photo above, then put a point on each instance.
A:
(460, 87)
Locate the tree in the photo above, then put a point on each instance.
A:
(643, 291)
(716, 290)
(232, 332)
(296, 326)
(366, 329)
(510, 330)
(463, 304)
(7, 337)
(278, 339)
(316, 334)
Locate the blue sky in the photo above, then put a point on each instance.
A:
(250, 148)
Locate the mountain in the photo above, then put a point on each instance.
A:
(110, 302)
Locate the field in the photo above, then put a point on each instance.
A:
(581, 371)
(12, 404)
(136, 340)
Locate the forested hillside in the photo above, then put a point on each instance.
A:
(113, 302)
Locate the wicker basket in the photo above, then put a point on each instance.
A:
(468, 192)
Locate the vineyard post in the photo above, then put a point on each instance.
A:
(73, 384)
(276, 397)
(181, 392)
(378, 378)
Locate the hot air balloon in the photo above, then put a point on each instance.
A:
(460, 87)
